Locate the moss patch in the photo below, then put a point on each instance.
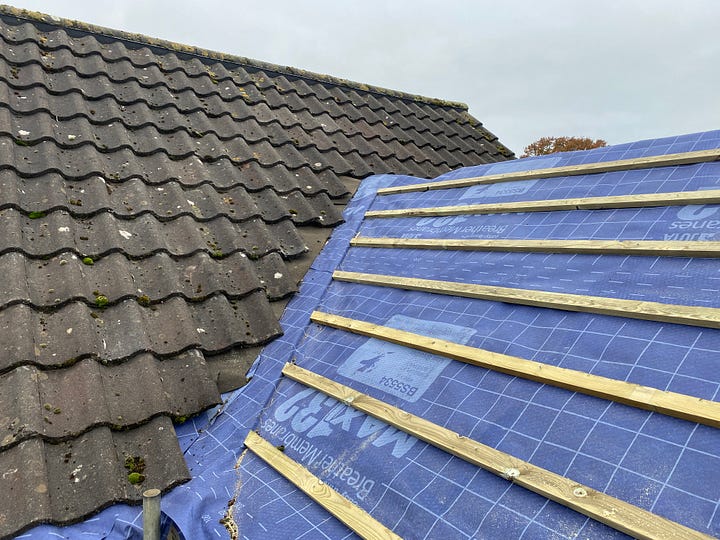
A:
(136, 478)
(136, 467)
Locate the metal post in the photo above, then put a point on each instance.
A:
(151, 514)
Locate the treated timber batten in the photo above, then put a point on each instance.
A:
(613, 512)
(357, 519)
(655, 248)
(667, 160)
(652, 399)
(645, 200)
(634, 309)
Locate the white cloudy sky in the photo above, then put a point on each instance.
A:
(621, 70)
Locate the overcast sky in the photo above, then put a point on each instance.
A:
(620, 70)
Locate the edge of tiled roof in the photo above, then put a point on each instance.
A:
(180, 48)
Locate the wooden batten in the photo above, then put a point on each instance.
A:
(668, 160)
(653, 248)
(357, 519)
(634, 309)
(613, 512)
(675, 198)
(670, 403)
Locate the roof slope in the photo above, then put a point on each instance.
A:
(158, 202)
(620, 293)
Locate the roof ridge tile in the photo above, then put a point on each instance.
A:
(177, 48)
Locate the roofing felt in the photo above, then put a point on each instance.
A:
(660, 466)
(158, 205)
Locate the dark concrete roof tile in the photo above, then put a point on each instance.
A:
(60, 404)
(180, 143)
(390, 105)
(145, 235)
(156, 277)
(118, 332)
(274, 277)
(63, 482)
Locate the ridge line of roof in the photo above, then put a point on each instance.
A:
(36, 16)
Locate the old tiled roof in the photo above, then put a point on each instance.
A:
(157, 204)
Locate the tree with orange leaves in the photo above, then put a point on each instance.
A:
(550, 145)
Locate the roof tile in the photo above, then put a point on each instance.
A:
(57, 404)
(63, 482)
